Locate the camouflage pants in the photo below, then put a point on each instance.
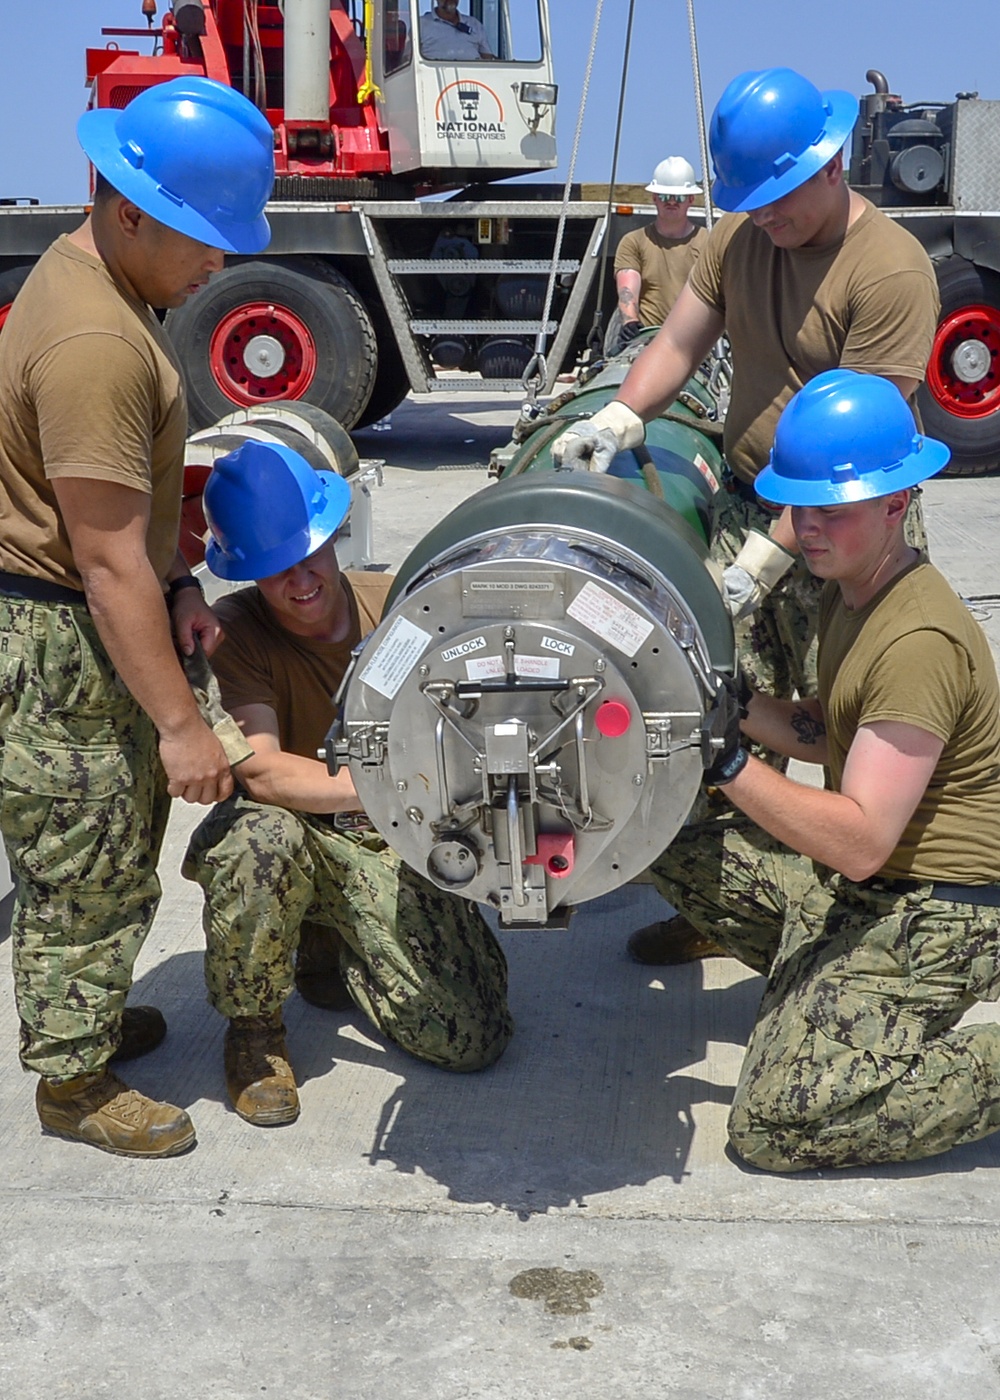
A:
(856, 1056)
(421, 964)
(777, 645)
(83, 809)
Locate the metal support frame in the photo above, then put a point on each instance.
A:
(415, 362)
(581, 287)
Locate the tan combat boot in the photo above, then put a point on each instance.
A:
(99, 1109)
(671, 942)
(259, 1079)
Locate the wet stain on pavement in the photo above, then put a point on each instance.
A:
(562, 1292)
(573, 1344)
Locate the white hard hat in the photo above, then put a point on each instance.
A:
(674, 175)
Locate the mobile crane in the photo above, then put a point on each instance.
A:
(395, 252)
(399, 251)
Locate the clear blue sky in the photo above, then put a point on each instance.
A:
(928, 51)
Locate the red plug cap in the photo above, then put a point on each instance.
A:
(612, 718)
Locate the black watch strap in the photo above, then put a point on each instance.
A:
(185, 581)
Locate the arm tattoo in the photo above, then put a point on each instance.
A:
(626, 297)
(807, 727)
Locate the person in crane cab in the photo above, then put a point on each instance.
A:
(652, 263)
(99, 726)
(288, 862)
(803, 275)
(446, 34)
(871, 906)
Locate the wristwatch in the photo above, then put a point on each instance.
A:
(185, 581)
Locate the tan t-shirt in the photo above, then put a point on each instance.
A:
(867, 301)
(915, 655)
(89, 387)
(663, 264)
(261, 663)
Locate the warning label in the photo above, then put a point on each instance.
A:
(395, 657)
(487, 668)
(610, 619)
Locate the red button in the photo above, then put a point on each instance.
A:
(612, 718)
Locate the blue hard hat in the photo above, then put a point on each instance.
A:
(193, 154)
(846, 437)
(772, 131)
(267, 509)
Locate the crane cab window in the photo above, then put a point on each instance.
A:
(462, 31)
(397, 48)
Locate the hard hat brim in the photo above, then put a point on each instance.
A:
(275, 561)
(691, 190)
(742, 199)
(916, 467)
(96, 133)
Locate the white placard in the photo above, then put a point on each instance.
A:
(464, 648)
(484, 668)
(547, 666)
(610, 619)
(487, 668)
(395, 657)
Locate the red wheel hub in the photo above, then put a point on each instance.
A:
(964, 369)
(262, 351)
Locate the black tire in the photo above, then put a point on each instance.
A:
(328, 354)
(965, 414)
(521, 296)
(12, 279)
(392, 383)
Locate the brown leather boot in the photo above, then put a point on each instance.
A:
(259, 1079)
(99, 1109)
(143, 1028)
(670, 942)
(318, 978)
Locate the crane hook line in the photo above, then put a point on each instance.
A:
(699, 106)
(594, 335)
(535, 372)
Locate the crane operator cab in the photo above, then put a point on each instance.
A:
(465, 84)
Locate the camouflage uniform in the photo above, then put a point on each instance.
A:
(777, 645)
(84, 809)
(421, 964)
(855, 1056)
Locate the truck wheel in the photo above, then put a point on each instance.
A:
(267, 330)
(392, 383)
(960, 402)
(12, 279)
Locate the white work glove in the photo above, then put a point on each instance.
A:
(208, 697)
(593, 443)
(753, 573)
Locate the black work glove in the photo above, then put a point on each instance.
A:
(629, 331)
(722, 748)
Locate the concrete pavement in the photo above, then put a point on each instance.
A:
(567, 1223)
